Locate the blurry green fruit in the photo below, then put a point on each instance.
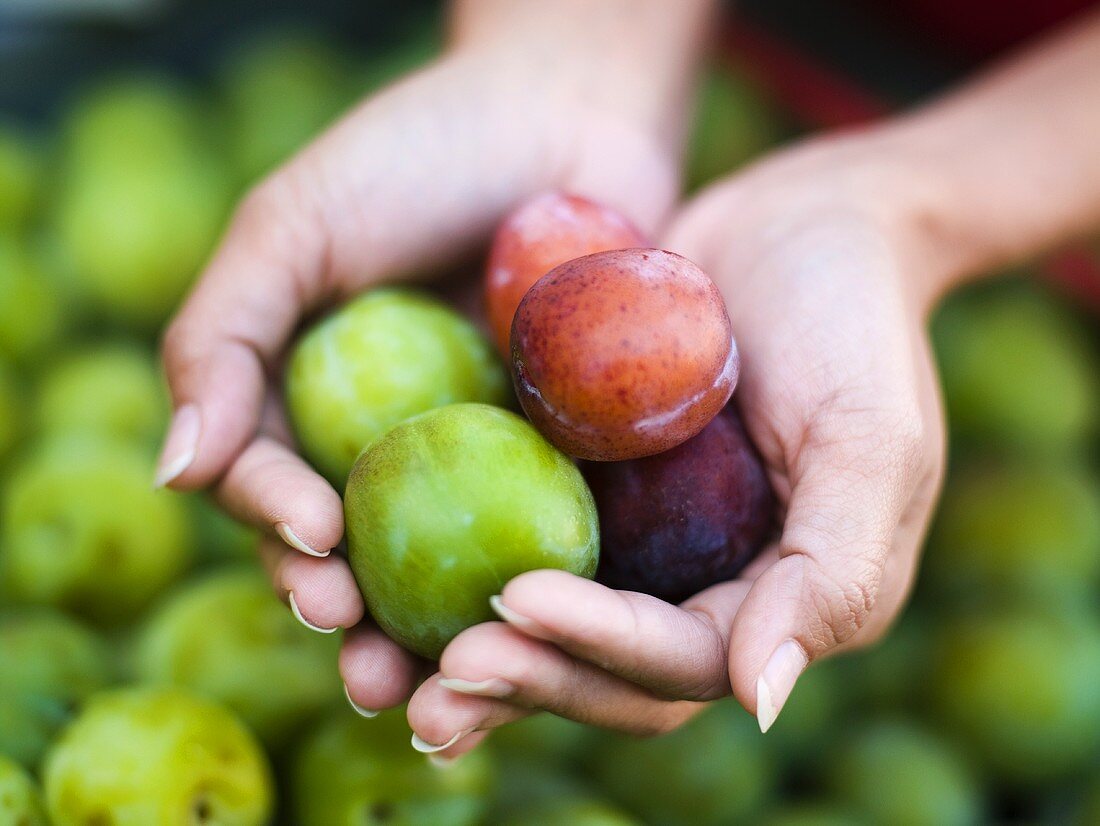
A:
(12, 411)
(575, 812)
(813, 814)
(354, 771)
(903, 775)
(714, 770)
(1019, 690)
(110, 389)
(524, 783)
(143, 199)
(380, 359)
(812, 715)
(262, 664)
(732, 126)
(144, 756)
(82, 529)
(1086, 812)
(32, 309)
(281, 89)
(20, 799)
(21, 171)
(889, 675)
(1017, 371)
(553, 741)
(1018, 530)
(48, 665)
(448, 506)
(219, 537)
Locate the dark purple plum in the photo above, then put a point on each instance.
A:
(693, 516)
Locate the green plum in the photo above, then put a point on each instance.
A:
(114, 389)
(733, 124)
(1017, 687)
(714, 770)
(140, 756)
(899, 773)
(21, 171)
(32, 314)
(385, 356)
(544, 738)
(51, 664)
(12, 411)
(280, 89)
(353, 771)
(448, 506)
(263, 665)
(143, 197)
(82, 529)
(571, 812)
(20, 798)
(812, 716)
(1020, 530)
(219, 537)
(1018, 371)
(888, 676)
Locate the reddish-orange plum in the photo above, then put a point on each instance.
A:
(623, 354)
(541, 233)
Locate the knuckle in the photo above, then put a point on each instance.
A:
(846, 604)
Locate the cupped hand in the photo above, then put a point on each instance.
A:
(826, 283)
(413, 178)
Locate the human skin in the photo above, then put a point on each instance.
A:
(830, 255)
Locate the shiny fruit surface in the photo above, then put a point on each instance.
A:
(385, 356)
(683, 520)
(140, 756)
(537, 236)
(448, 506)
(623, 354)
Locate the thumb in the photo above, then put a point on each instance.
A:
(851, 489)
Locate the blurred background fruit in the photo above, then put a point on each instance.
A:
(20, 798)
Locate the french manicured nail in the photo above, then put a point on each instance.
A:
(524, 624)
(180, 445)
(425, 747)
(293, 540)
(493, 687)
(776, 681)
(298, 616)
(358, 709)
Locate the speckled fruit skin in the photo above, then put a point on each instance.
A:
(386, 355)
(140, 756)
(448, 506)
(678, 522)
(537, 236)
(623, 354)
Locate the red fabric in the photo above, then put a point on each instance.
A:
(979, 28)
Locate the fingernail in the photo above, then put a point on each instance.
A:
(358, 709)
(293, 540)
(298, 616)
(427, 748)
(441, 762)
(776, 681)
(524, 624)
(493, 687)
(180, 445)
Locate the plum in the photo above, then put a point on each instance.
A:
(352, 770)
(83, 530)
(33, 314)
(899, 772)
(678, 522)
(280, 89)
(537, 236)
(263, 665)
(623, 354)
(111, 388)
(144, 195)
(20, 798)
(387, 355)
(1017, 688)
(51, 664)
(448, 506)
(145, 755)
(713, 771)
